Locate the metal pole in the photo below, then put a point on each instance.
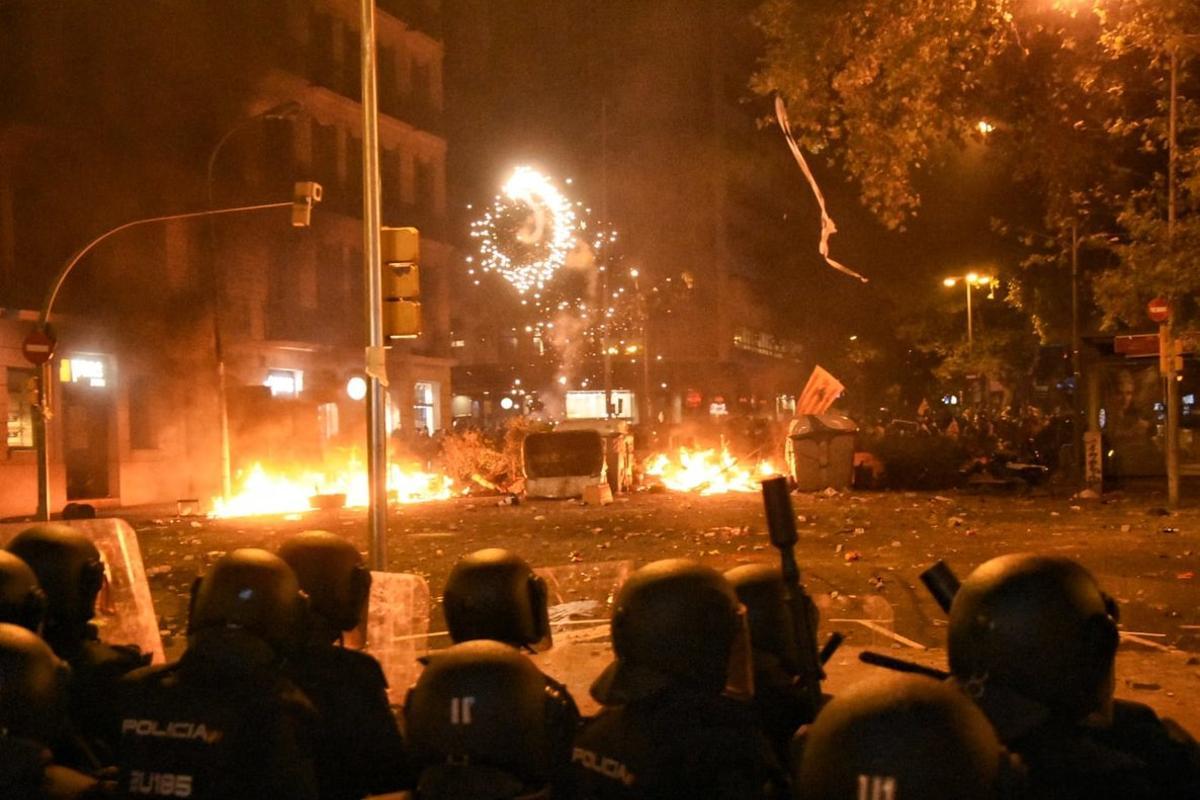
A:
(607, 358)
(375, 354)
(1076, 368)
(970, 324)
(1171, 395)
(40, 443)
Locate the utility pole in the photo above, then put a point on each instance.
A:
(376, 354)
(1166, 334)
(1076, 368)
(603, 267)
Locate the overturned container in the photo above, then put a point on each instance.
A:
(820, 451)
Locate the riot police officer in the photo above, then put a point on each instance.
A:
(360, 750)
(668, 729)
(33, 699)
(1033, 640)
(781, 703)
(22, 601)
(70, 571)
(903, 737)
(482, 723)
(223, 721)
(494, 594)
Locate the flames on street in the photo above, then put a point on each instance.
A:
(707, 472)
(264, 491)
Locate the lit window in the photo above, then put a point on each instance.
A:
(284, 382)
(21, 389)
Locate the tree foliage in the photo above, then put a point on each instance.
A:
(1073, 93)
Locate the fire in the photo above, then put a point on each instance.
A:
(264, 492)
(707, 472)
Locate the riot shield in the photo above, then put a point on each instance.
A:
(125, 610)
(581, 599)
(398, 628)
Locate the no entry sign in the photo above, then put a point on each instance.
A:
(1158, 309)
(38, 346)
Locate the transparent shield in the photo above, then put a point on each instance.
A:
(581, 599)
(125, 610)
(398, 628)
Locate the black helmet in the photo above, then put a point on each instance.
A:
(331, 572)
(760, 589)
(251, 590)
(1038, 626)
(905, 737)
(22, 601)
(68, 568)
(493, 594)
(484, 705)
(33, 685)
(674, 622)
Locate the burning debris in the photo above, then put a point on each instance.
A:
(273, 492)
(707, 472)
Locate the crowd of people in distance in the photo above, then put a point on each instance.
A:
(703, 698)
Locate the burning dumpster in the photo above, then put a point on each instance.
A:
(820, 451)
(618, 449)
(562, 463)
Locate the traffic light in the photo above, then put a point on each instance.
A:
(401, 251)
(305, 195)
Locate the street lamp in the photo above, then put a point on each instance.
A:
(287, 110)
(971, 280)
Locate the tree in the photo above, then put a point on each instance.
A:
(1070, 96)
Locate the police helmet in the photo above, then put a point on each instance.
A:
(494, 594)
(1038, 626)
(252, 590)
(331, 572)
(483, 704)
(903, 737)
(22, 601)
(33, 685)
(68, 568)
(674, 622)
(760, 589)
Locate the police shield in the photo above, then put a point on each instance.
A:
(398, 628)
(124, 610)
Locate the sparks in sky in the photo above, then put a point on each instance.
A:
(528, 232)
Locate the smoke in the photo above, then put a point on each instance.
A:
(569, 332)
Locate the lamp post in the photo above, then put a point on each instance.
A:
(971, 280)
(286, 110)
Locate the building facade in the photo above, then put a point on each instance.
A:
(127, 111)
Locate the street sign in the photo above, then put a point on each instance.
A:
(1138, 344)
(1158, 309)
(38, 346)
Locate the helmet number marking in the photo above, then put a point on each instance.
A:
(460, 710)
(876, 787)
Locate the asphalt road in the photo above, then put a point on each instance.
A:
(860, 555)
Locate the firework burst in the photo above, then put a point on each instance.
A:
(527, 234)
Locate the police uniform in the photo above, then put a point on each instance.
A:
(1033, 640)
(667, 729)
(220, 723)
(676, 743)
(1137, 756)
(360, 750)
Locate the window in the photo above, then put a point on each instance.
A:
(143, 428)
(425, 406)
(285, 382)
(22, 384)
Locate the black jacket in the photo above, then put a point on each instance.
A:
(221, 723)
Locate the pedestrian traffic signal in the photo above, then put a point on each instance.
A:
(401, 255)
(305, 195)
